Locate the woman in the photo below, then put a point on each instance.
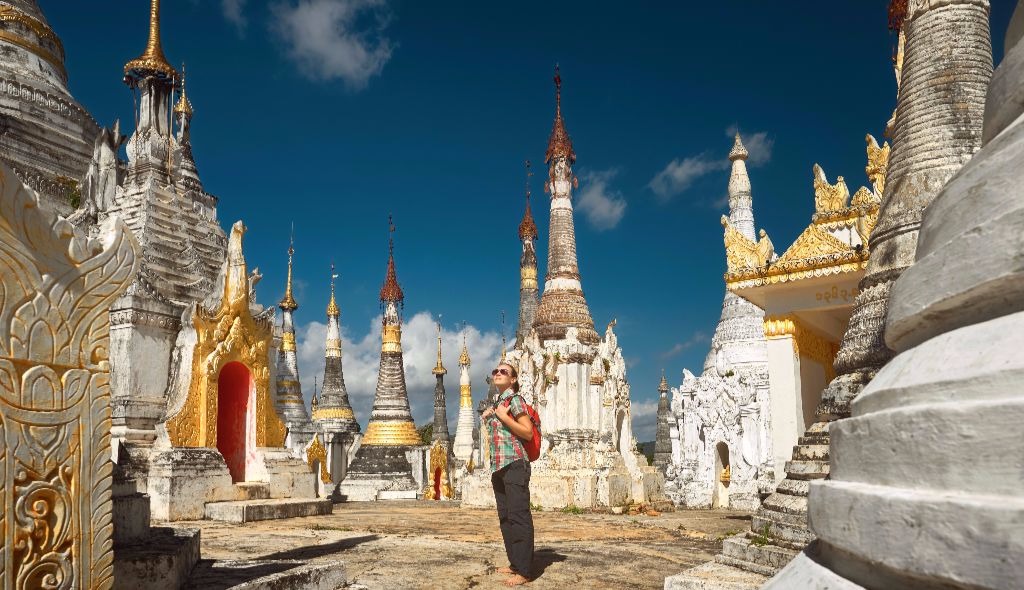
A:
(508, 426)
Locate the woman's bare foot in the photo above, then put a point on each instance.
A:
(516, 580)
(505, 570)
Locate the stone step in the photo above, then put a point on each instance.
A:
(252, 490)
(786, 503)
(817, 439)
(162, 560)
(794, 487)
(789, 530)
(267, 574)
(811, 452)
(745, 565)
(718, 576)
(253, 510)
(757, 550)
(807, 469)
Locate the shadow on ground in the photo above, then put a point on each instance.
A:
(315, 551)
(543, 558)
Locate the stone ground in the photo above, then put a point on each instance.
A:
(409, 544)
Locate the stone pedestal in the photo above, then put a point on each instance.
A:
(183, 480)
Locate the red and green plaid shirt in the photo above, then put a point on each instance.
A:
(505, 446)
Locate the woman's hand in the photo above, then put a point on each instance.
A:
(487, 413)
(502, 413)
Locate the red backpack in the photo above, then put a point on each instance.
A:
(532, 446)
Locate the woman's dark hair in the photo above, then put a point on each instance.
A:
(514, 374)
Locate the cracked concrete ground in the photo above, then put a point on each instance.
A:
(409, 544)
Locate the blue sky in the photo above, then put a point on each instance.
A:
(335, 113)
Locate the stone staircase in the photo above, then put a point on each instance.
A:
(778, 530)
(254, 503)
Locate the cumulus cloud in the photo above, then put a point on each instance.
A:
(645, 420)
(680, 174)
(361, 359)
(680, 347)
(602, 206)
(335, 39)
(234, 13)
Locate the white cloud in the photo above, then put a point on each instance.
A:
(680, 347)
(600, 204)
(361, 359)
(335, 39)
(234, 13)
(645, 420)
(678, 175)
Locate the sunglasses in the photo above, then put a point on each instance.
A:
(505, 372)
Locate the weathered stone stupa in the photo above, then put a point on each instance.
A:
(527, 269)
(575, 379)
(439, 480)
(662, 441)
(290, 405)
(47, 137)
(721, 451)
(332, 412)
(382, 468)
(916, 458)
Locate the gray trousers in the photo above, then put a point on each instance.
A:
(512, 494)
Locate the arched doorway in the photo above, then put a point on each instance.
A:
(234, 385)
(723, 476)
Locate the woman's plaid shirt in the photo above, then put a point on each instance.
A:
(505, 446)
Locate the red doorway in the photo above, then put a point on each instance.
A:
(233, 387)
(437, 483)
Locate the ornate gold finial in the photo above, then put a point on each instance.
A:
(464, 357)
(897, 12)
(738, 152)
(439, 369)
(527, 228)
(288, 303)
(559, 144)
(663, 386)
(332, 306)
(878, 164)
(184, 105)
(391, 291)
(152, 61)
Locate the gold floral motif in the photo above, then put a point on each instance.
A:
(878, 165)
(316, 452)
(229, 334)
(741, 252)
(813, 243)
(55, 468)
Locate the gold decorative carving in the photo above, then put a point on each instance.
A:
(228, 334)
(806, 343)
(438, 460)
(56, 288)
(392, 433)
(741, 252)
(391, 339)
(288, 341)
(829, 197)
(316, 452)
(814, 242)
(333, 413)
(726, 475)
(878, 165)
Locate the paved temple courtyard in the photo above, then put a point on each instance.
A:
(407, 544)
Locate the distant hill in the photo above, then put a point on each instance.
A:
(647, 450)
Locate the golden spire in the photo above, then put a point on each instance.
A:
(391, 291)
(439, 369)
(184, 105)
(464, 357)
(559, 144)
(332, 306)
(663, 386)
(152, 60)
(527, 228)
(288, 303)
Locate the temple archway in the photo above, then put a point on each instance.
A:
(437, 483)
(234, 386)
(723, 476)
